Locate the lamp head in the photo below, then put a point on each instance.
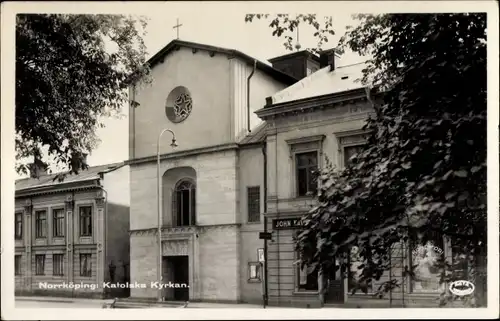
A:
(174, 143)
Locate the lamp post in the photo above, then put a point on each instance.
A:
(173, 144)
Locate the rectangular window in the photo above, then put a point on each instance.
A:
(253, 199)
(40, 264)
(58, 222)
(17, 265)
(57, 262)
(307, 276)
(85, 220)
(425, 259)
(19, 226)
(254, 272)
(40, 224)
(354, 277)
(349, 152)
(85, 265)
(306, 164)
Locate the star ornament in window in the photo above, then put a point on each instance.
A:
(182, 106)
(179, 105)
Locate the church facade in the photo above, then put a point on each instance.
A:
(248, 136)
(208, 240)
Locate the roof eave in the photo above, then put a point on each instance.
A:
(311, 102)
(91, 182)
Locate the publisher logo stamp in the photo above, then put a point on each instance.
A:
(462, 287)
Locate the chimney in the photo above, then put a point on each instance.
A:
(328, 58)
(37, 169)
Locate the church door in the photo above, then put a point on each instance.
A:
(181, 277)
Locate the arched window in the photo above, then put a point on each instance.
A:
(184, 203)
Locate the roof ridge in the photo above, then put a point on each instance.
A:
(115, 164)
(263, 66)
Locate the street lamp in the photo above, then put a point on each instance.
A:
(173, 144)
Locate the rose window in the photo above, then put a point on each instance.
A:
(179, 104)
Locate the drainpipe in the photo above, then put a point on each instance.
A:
(248, 94)
(105, 226)
(105, 229)
(264, 152)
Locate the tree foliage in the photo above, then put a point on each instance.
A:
(284, 25)
(423, 169)
(71, 70)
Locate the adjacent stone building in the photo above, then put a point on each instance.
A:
(72, 236)
(321, 118)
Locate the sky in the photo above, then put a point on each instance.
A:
(212, 27)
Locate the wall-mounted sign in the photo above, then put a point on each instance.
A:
(286, 223)
(260, 255)
(265, 236)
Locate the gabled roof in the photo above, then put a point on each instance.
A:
(323, 82)
(175, 44)
(45, 181)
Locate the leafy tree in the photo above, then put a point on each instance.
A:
(71, 70)
(423, 169)
(283, 26)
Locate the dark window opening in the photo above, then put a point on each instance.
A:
(58, 222)
(19, 226)
(86, 221)
(253, 200)
(306, 165)
(57, 262)
(17, 265)
(40, 224)
(40, 264)
(184, 204)
(85, 265)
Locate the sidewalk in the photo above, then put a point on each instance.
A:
(61, 299)
(206, 305)
(191, 305)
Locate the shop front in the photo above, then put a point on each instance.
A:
(288, 283)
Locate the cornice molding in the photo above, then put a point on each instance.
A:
(184, 153)
(180, 231)
(349, 133)
(54, 190)
(307, 139)
(312, 103)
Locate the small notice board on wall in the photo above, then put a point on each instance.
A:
(260, 255)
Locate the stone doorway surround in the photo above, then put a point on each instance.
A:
(178, 241)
